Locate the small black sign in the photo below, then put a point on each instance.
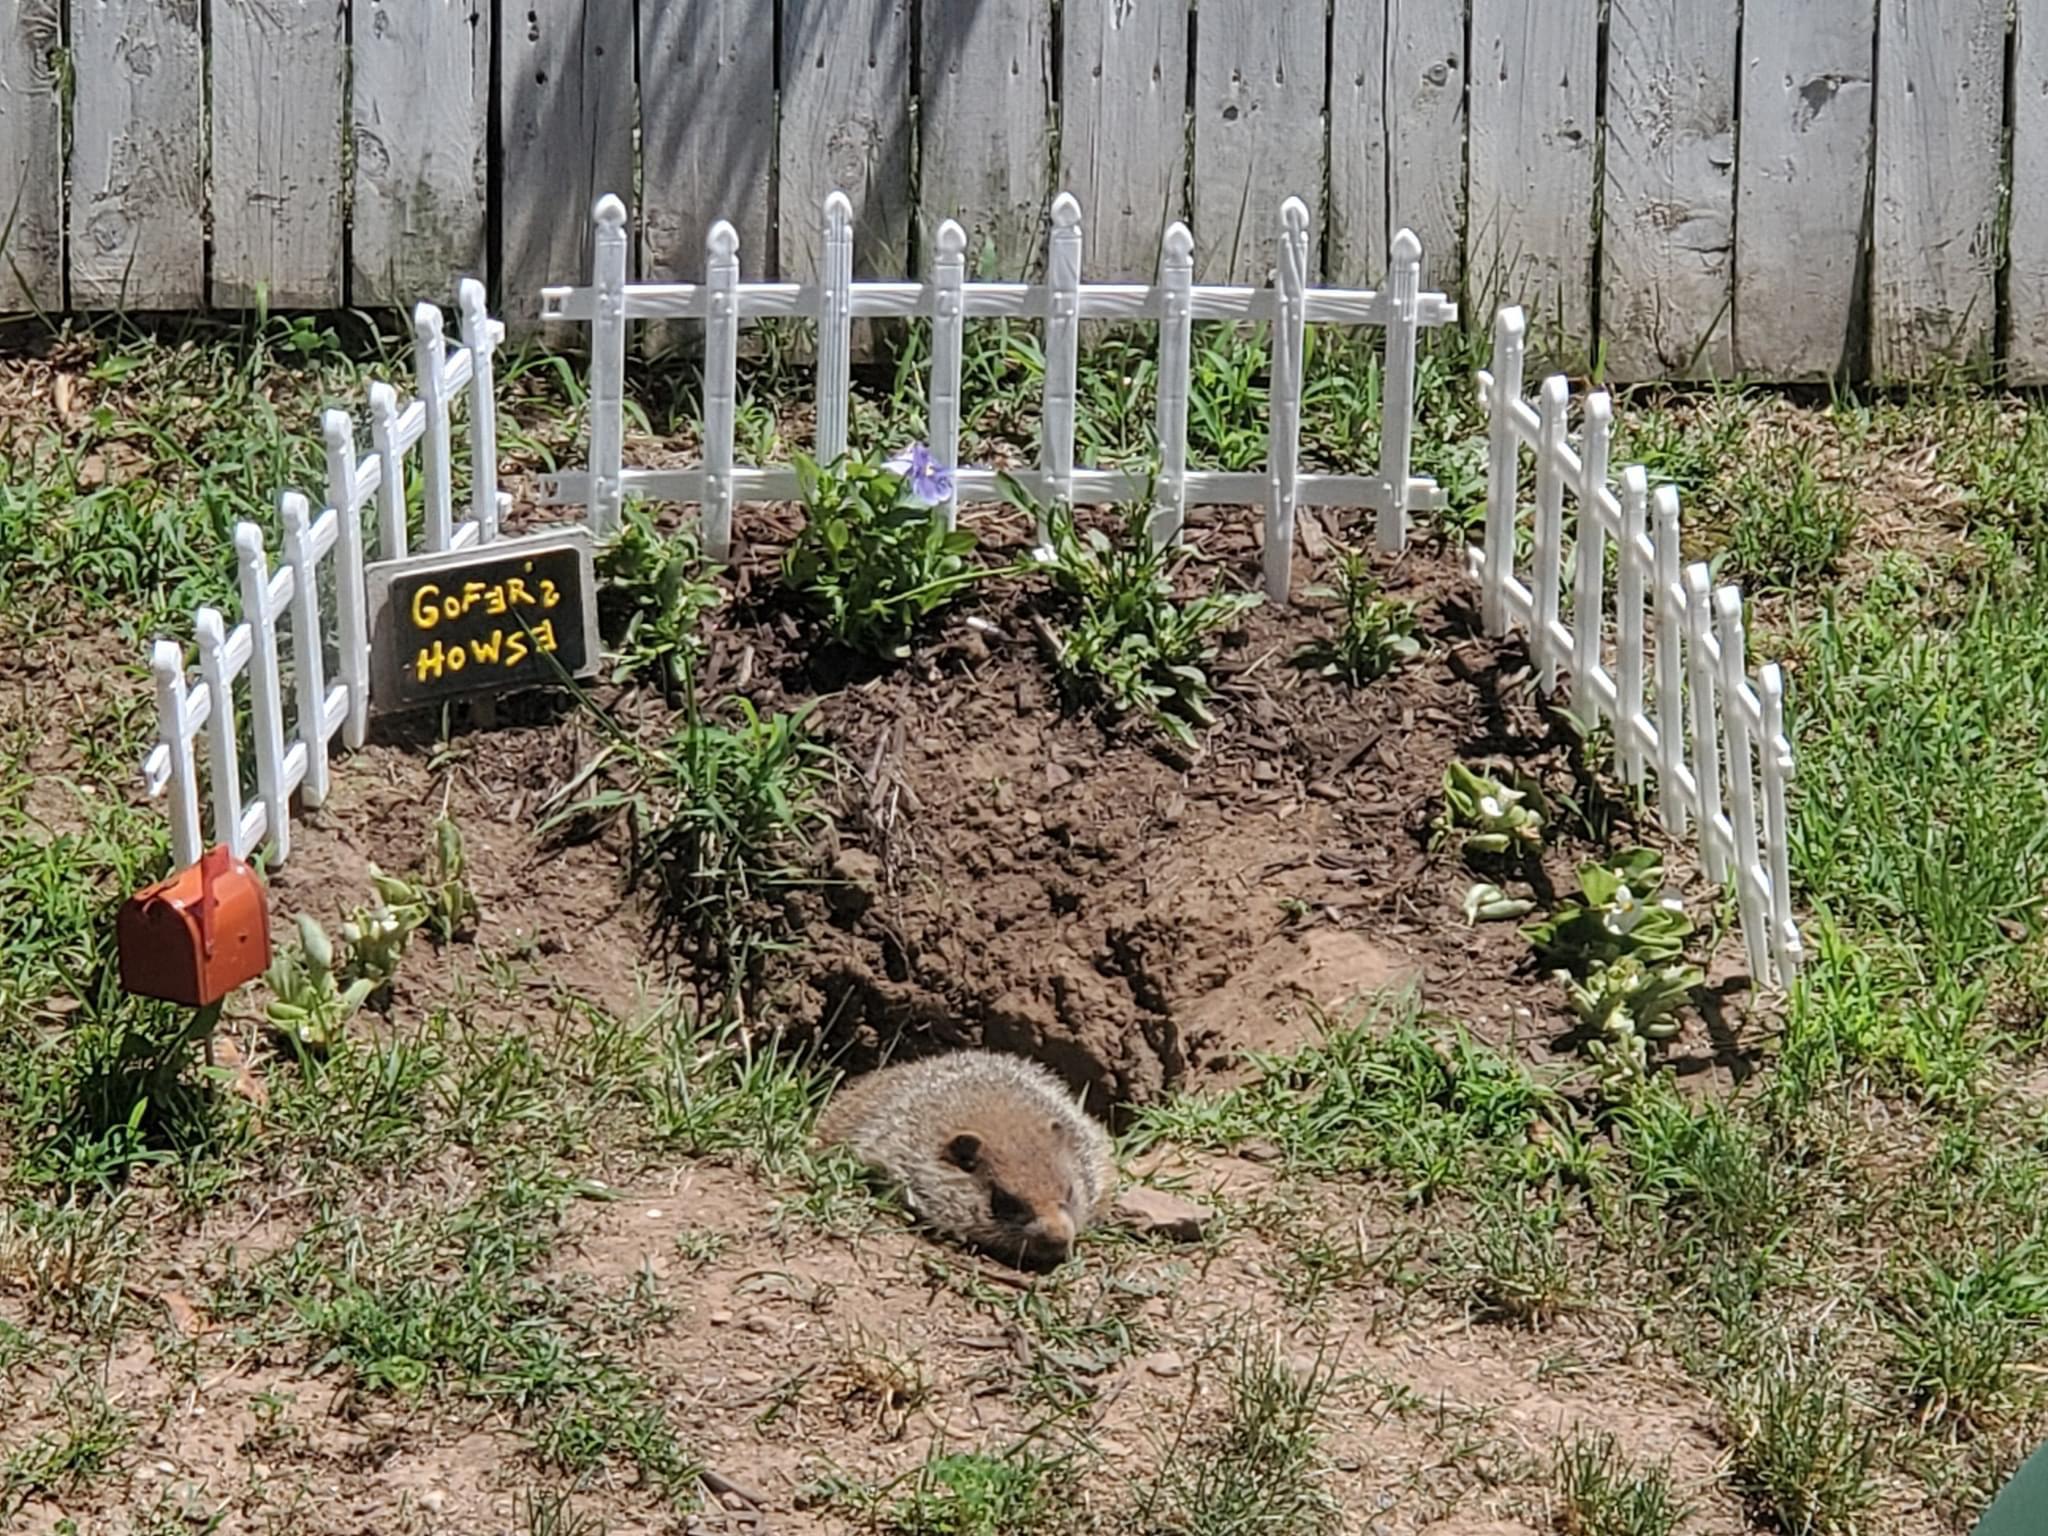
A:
(492, 618)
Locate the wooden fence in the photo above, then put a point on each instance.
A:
(181, 154)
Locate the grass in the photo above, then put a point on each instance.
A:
(416, 1185)
(1602, 1492)
(1262, 1469)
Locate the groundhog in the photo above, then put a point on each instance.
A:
(987, 1148)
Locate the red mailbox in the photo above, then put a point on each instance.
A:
(197, 936)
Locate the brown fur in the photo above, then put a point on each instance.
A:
(989, 1148)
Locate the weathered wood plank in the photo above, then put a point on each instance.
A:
(1258, 130)
(707, 133)
(845, 127)
(1360, 127)
(138, 189)
(1529, 224)
(1123, 129)
(276, 104)
(1426, 133)
(1934, 256)
(421, 110)
(31, 157)
(984, 108)
(1667, 233)
(565, 115)
(1802, 201)
(2026, 337)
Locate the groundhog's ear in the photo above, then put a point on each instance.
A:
(964, 1151)
(1060, 1128)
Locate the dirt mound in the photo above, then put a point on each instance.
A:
(1010, 873)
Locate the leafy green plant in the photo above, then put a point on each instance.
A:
(1488, 816)
(1374, 634)
(310, 1006)
(1620, 913)
(1130, 645)
(873, 560)
(659, 598)
(1486, 902)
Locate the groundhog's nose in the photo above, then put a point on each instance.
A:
(1054, 1234)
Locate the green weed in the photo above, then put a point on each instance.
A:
(655, 601)
(1374, 634)
(1262, 1469)
(1801, 1450)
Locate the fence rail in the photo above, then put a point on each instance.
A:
(284, 606)
(948, 300)
(1708, 736)
(1787, 191)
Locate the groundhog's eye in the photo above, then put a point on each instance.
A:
(1007, 1208)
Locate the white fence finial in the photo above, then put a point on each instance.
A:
(607, 366)
(835, 328)
(1404, 339)
(261, 603)
(223, 753)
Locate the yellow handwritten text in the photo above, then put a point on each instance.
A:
(433, 605)
(505, 650)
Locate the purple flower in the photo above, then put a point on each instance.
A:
(930, 482)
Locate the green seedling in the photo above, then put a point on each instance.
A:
(875, 561)
(378, 935)
(1488, 816)
(1374, 634)
(1130, 644)
(310, 1007)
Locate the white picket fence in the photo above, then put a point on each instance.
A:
(1714, 738)
(722, 302)
(291, 742)
(1707, 739)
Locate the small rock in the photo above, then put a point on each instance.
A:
(720, 1319)
(1057, 777)
(433, 1501)
(1265, 773)
(1165, 1363)
(1155, 1213)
